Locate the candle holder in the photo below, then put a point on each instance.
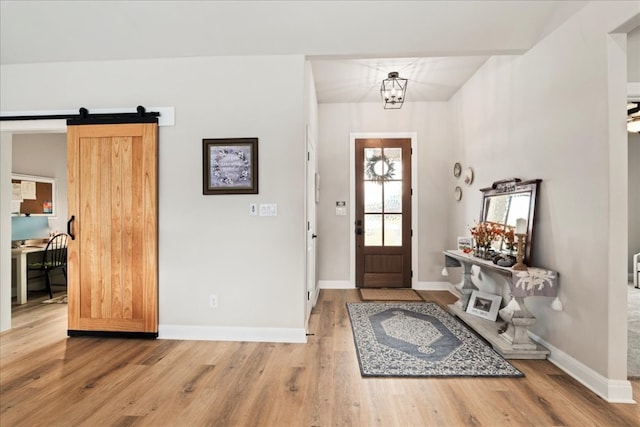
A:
(520, 265)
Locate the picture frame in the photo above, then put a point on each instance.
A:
(229, 166)
(465, 244)
(484, 305)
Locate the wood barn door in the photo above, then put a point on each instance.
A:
(383, 213)
(113, 256)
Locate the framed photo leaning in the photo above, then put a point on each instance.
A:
(484, 305)
(230, 166)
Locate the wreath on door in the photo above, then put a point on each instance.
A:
(379, 168)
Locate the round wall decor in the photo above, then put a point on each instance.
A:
(458, 193)
(468, 176)
(457, 169)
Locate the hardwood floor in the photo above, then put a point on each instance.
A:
(48, 379)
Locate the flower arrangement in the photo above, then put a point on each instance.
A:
(485, 233)
(509, 236)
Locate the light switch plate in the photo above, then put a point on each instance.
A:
(268, 209)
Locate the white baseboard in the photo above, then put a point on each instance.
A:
(435, 286)
(613, 391)
(217, 333)
(335, 284)
(420, 286)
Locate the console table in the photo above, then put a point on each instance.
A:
(514, 342)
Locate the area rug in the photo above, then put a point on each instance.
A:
(420, 340)
(62, 299)
(390, 295)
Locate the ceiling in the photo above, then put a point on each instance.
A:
(359, 80)
(352, 45)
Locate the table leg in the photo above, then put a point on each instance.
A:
(466, 286)
(21, 278)
(517, 333)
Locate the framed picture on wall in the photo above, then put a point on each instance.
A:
(230, 166)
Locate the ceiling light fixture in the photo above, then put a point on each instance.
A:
(393, 91)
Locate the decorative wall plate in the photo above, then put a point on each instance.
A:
(457, 169)
(468, 176)
(458, 193)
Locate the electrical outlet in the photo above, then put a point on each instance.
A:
(213, 300)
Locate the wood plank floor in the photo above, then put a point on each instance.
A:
(48, 379)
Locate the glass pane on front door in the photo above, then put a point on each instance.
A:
(393, 230)
(383, 196)
(372, 197)
(394, 158)
(393, 197)
(373, 230)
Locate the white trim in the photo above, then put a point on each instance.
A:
(613, 391)
(166, 118)
(33, 126)
(6, 139)
(218, 333)
(336, 284)
(435, 286)
(414, 198)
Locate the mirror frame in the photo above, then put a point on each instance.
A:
(515, 186)
(35, 178)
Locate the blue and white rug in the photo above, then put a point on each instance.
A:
(420, 339)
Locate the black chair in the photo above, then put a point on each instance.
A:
(54, 258)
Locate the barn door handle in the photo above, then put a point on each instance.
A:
(73, 237)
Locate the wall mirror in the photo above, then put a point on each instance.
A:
(33, 195)
(506, 201)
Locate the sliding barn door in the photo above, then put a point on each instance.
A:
(113, 253)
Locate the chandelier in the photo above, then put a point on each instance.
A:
(393, 90)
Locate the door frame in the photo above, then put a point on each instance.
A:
(352, 198)
(311, 218)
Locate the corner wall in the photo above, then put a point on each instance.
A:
(546, 114)
(207, 244)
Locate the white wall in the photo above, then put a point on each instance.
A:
(633, 57)
(208, 244)
(435, 180)
(545, 115)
